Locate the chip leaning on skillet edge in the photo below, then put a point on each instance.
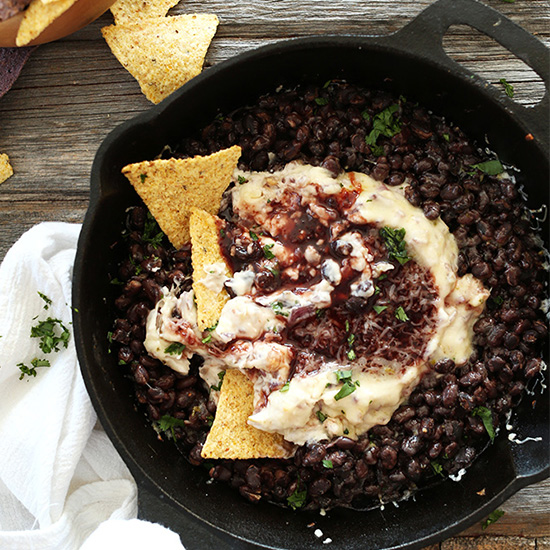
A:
(414, 60)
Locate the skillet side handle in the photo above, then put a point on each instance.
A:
(425, 35)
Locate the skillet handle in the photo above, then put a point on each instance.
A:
(425, 35)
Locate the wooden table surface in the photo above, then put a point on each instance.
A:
(73, 92)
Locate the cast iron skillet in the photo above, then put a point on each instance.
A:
(411, 61)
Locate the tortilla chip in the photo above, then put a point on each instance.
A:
(231, 436)
(5, 168)
(171, 188)
(128, 11)
(162, 53)
(205, 251)
(38, 16)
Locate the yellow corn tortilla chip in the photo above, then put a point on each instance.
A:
(205, 251)
(38, 16)
(162, 53)
(127, 11)
(5, 168)
(171, 188)
(231, 436)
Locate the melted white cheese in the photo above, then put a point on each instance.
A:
(246, 318)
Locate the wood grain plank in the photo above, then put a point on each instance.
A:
(489, 543)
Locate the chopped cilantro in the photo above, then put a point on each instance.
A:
(395, 243)
(384, 123)
(50, 338)
(351, 355)
(175, 348)
(497, 300)
(376, 290)
(347, 325)
(253, 235)
(327, 463)
(321, 101)
(219, 386)
(275, 272)
(487, 418)
(490, 167)
(319, 313)
(327, 84)
(379, 309)
(493, 517)
(277, 307)
(152, 233)
(437, 468)
(222, 233)
(400, 314)
(447, 137)
(143, 177)
(298, 498)
(116, 281)
(365, 115)
(285, 387)
(343, 375)
(377, 150)
(207, 339)
(267, 251)
(36, 363)
(168, 422)
(46, 299)
(210, 419)
(321, 416)
(348, 387)
(351, 339)
(241, 180)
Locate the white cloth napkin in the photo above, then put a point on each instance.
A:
(60, 476)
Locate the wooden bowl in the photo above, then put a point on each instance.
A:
(77, 16)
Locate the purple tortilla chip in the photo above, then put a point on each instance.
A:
(9, 8)
(11, 63)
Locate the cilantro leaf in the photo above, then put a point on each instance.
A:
(168, 422)
(508, 88)
(285, 387)
(493, 517)
(379, 309)
(487, 418)
(400, 314)
(46, 299)
(219, 386)
(395, 243)
(321, 101)
(437, 468)
(175, 348)
(327, 463)
(152, 233)
(267, 251)
(277, 307)
(351, 355)
(253, 235)
(384, 123)
(31, 371)
(347, 389)
(298, 498)
(52, 334)
(241, 180)
(343, 375)
(490, 167)
(143, 177)
(321, 416)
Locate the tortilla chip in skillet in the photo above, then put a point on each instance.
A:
(231, 436)
(205, 251)
(162, 53)
(5, 168)
(127, 11)
(38, 16)
(171, 188)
